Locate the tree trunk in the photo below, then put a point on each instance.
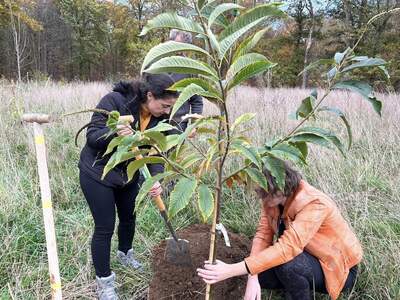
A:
(309, 7)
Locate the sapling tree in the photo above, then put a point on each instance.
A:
(229, 32)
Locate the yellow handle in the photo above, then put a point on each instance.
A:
(159, 203)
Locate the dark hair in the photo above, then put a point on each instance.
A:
(292, 180)
(157, 84)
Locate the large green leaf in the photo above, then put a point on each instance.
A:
(161, 127)
(249, 43)
(258, 177)
(137, 164)
(318, 136)
(156, 138)
(181, 65)
(242, 119)
(207, 86)
(181, 195)
(205, 202)
(185, 95)
(250, 71)
(244, 61)
(248, 152)
(208, 9)
(114, 143)
(259, 12)
(168, 49)
(277, 169)
(172, 20)
(219, 10)
(306, 107)
(227, 43)
(364, 62)
(362, 88)
(302, 147)
(342, 116)
(148, 184)
(116, 159)
(285, 151)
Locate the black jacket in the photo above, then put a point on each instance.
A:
(194, 105)
(124, 100)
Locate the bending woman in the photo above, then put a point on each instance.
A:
(149, 101)
(314, 247)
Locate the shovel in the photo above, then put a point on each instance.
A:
(55, 281)
(177, 250)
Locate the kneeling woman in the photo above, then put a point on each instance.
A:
(149, 101)
(314, 249)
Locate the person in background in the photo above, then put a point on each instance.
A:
(314, 247)
(149, 101)
(195, 104)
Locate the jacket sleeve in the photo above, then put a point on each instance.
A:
(264, 233)
(305, 225)
(196, 104)
(97, 130)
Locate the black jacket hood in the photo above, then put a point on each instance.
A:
(124, 87)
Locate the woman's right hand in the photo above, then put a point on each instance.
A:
(253, 289)
(124, 129)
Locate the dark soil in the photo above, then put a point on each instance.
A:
(172, 282)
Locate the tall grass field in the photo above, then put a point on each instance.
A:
(365, 184)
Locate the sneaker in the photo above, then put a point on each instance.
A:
(128, 260)
(106, 287)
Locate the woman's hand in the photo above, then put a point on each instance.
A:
(220, 271)
(253, 289)
(124, 129)
(156, 190)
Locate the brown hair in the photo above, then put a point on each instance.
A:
(292, 180)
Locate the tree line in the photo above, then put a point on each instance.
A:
(99, 40)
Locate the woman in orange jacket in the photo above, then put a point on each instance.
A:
(302, 244)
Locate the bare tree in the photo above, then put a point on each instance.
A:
(310, 8)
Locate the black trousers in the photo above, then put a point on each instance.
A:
(299, 277)
(102, 202)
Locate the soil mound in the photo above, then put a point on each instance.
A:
(172, 282)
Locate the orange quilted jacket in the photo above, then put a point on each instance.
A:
(313, 223)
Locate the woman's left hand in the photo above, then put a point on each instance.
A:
(219, 271)
(156, 190)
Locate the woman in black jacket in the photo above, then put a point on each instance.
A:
(149, 101)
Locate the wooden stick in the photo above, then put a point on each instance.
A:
(36, 118)
(55, 281)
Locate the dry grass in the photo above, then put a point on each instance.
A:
(365, 185)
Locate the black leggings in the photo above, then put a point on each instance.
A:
(102, 201)
(299, 276)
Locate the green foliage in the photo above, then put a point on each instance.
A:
(181, 195)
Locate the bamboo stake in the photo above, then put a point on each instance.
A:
(54, 272)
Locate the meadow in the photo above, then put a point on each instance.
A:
(365, 184)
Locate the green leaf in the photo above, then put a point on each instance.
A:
(185, 95)
(249, 152)
(172, 20)
(250, 71)
(306, 107)
(148, 184)
(181, 195)
(161, 127)
(157, 138)
(114, 143)
(315, 64)
(365, 62)
(208, 9)
(137, 164)
(277, 169)
(249, 43)
(260, 12)
(317, 136)
(244, 61)
(171, 141)
(189, 160)
(181, 84)
(258, 177)
(339, 56)
(286, 151)
(362, 88)
(117, 158)
(219, 10)
(168, 49)
(242, 119)
(302, 146)
(341, 115)
(181, 65)
(205, 202)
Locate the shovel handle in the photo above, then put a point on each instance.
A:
(159, 202)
